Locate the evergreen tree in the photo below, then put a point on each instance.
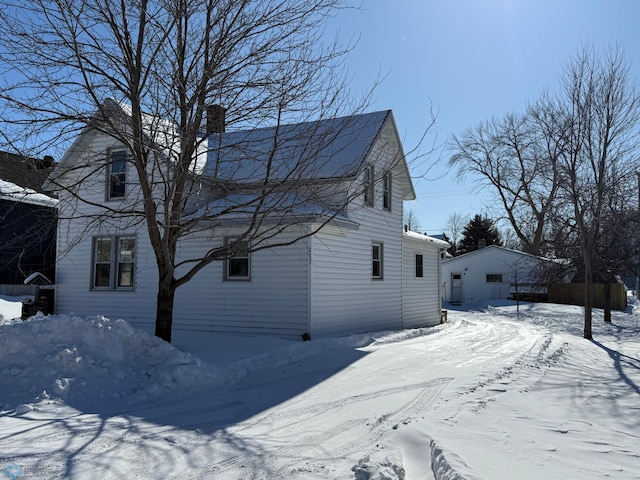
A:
(480, 231)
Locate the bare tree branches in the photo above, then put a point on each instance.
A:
(146, 73)
(565, 165)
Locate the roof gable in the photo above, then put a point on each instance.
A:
(326, 149)
(493, 249)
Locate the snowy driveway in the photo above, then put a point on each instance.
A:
(488, 395)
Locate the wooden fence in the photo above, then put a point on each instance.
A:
(573, 294)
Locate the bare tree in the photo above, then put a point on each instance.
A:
(600, 109)
(515, 157)
(410, 219)
(163, 64)
(456, 223)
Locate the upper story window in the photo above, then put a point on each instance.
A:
(386, 191)
(376, 261)
(238, 267)
(494, 278)
(367, 185)
(117, 174)
(419, 270)
(113, 263)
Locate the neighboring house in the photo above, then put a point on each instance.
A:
(27, 220)
(493, 273)
(360, 272)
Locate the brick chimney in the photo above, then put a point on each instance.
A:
(215, 119)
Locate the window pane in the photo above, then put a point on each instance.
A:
(238, 267)
(125, 275)
(103, 250)
(117, 177)
(368, 185)
(117, 185)
(376, 269)
(127, 247)
(386, 195)
(102, 275)
(418, 265)
(126, 255)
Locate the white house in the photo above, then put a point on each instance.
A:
(491, 273)
(360, 272)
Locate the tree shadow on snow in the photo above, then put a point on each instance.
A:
(622, 362)
(204, 430)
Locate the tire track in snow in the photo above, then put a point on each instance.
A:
(365, 430)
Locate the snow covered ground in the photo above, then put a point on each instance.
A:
(492, 394)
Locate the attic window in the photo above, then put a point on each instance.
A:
(367, 185)
(386, 191)
(117, 174)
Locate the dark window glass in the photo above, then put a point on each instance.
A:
(418, 265)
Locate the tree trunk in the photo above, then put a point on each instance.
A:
(607, 300)
(588, 293)
(164, 308)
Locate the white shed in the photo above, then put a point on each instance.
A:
(490, 273)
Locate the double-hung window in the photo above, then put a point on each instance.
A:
(376, 261)
(113, 263)
(368, 185)
(238, 267)
(117, 178)
(386, 191)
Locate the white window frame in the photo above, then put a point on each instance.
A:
(229, 263)
(368, 186)
(386, 191)
(119, 263)
(377, 260)
(117, 157)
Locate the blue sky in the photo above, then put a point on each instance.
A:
(473, 59)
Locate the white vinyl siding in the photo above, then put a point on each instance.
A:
(275, 301)
(421, 298)
(344, 298)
